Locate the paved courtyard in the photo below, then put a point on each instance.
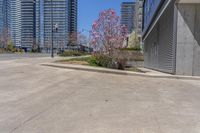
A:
(41, 99)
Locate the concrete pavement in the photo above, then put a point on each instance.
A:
(40, 99)
(145, 73)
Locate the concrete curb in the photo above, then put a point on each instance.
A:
(119, 72)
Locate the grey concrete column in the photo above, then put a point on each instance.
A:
(188, 39)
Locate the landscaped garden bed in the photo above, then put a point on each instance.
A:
(73, 53)
(98, 61)
(108, 39)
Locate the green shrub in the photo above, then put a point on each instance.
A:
(107, 61)
(104, 60)
(92, 61)
(135, 48)
(21, 50)
(14, 50)
(73, 53)
(1, 50)
(101, 60)
(10, 47)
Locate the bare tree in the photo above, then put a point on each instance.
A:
(73, 39)
(1, 40)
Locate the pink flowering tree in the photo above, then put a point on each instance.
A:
(107, 33)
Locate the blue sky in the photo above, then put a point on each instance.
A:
(88, 10)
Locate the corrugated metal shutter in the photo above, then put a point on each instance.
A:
(165, 41)
(159, 45)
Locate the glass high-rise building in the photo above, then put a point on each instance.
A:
(10, 20)
(72, 17)
(43, 23)
(138, 18)
(29, 22)
(4, 18)
(4, 14)
(64, 16)
(15, 13)
(39, 23)
(28, 33)
(127, 15)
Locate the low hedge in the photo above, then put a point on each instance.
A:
(73, 53)
(135, 48)
(108, 61)
(101, 61)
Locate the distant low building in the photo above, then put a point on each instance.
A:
(171, 35)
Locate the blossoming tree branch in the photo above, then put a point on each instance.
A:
(107, 33)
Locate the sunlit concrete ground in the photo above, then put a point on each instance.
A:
(41, 99)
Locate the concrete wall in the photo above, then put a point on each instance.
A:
(135, 64)
(188, 40)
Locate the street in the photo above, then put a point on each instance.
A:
(41, 99)
(21, 56)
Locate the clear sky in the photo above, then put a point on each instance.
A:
(88, 10)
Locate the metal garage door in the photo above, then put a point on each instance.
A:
(159, 46)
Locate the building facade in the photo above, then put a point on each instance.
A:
(60, 18)
(64, 17)
(171, 35)
(4, 14)
(128, 15)
(138, 18)
(72, 17)
(28, 21)
(15, 12)
(39, 23)
(10, 21)
(4, 22)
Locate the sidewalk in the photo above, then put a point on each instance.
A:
(148, 72)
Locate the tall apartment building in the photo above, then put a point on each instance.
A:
(72, 17)
(28, 34)
(37, 22)
(29, 22)
(60, 18)
(4, 14)
(172, 36)
(19, 17)
(138, 17)
(128, 15)
(64, 16)
(4, 18)
(15, 14)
